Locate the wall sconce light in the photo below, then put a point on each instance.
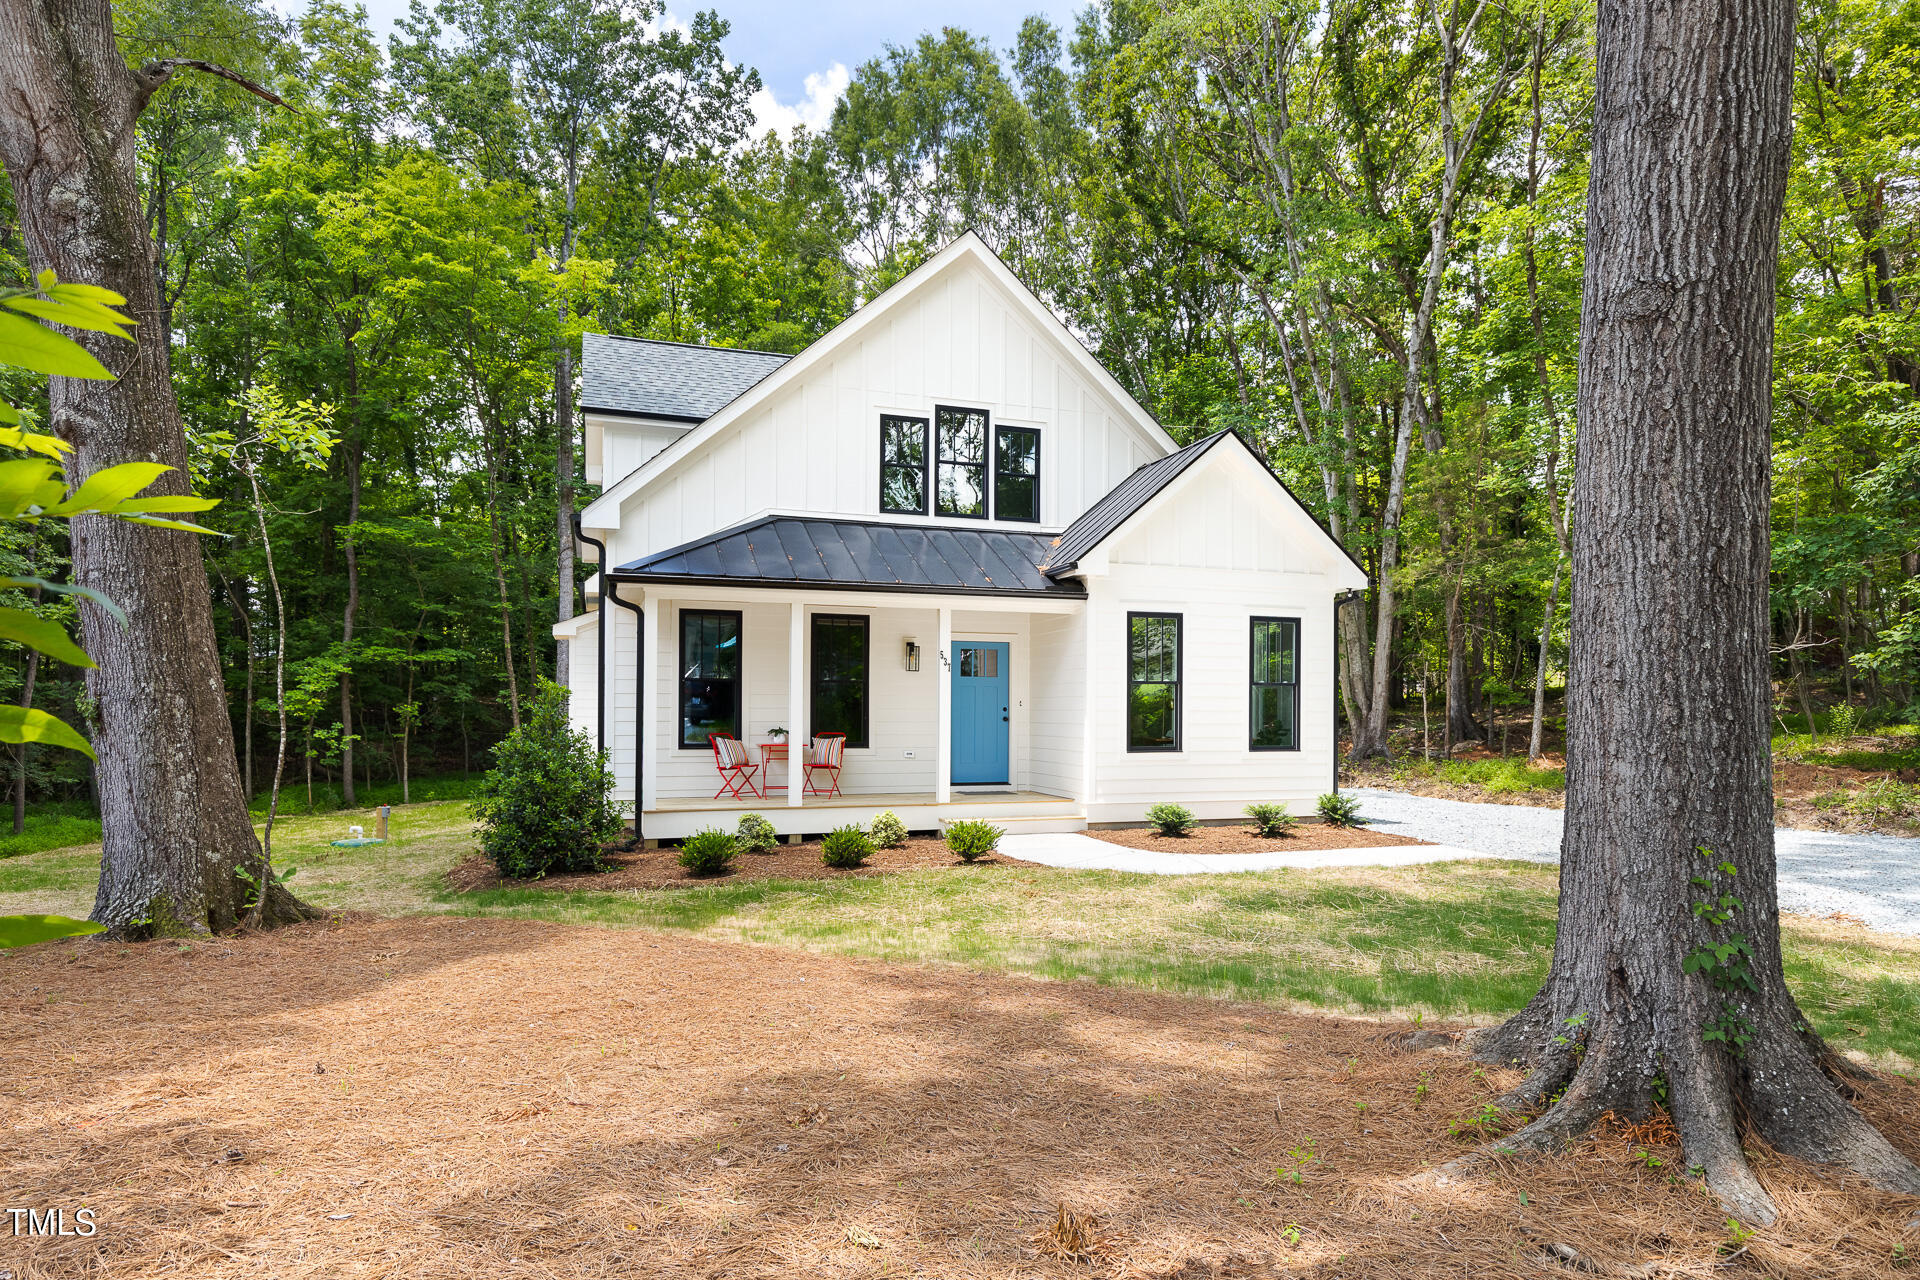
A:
(913, 655)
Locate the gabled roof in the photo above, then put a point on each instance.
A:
(666, 379)
(1120, 502)
(1125, 500)
(858, 555)
(604, 511)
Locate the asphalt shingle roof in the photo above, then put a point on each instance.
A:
(861, 554)
(666, 379)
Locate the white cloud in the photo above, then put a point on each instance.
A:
(815, 111)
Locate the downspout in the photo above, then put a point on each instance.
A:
(640, 708)
(1341, 599)
(600, 630)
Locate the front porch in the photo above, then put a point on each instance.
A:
(676, 817)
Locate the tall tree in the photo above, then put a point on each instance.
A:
(175, 822)
(1667, 970)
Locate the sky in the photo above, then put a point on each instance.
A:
(805, 50)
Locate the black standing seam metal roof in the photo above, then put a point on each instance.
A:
(667, 379)
(859, 555)
(1120, 502)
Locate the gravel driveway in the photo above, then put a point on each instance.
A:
(1876, 878)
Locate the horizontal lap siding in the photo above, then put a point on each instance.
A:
(901, 708)
(1056, 744)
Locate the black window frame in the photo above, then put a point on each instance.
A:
(864, 738)
(681, 677)
(1004, 428)
(984, 466)
(1254, 686)
(926, 465)
(1178, 681)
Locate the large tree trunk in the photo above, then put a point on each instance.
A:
(1668, 696)
(175, 822)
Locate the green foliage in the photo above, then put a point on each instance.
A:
(1338, 810)
(755, 834)
(709, 852)
(26, 931)
(846, 847)
(971, 840)
(32, 489)
(887, 831)
(53, 825)
(1171, 819)
(545, 805)
(1271, 819)
(1504, 775)
(1725, 958)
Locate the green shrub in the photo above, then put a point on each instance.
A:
(972, 840)
(1337, 810)
(846, 847)
(709, 852)
(1884, 799)
(756, 834)
(545, 805)
(1171, 819)
(1271, 819)
(887, 831)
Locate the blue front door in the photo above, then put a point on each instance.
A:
(979, 711)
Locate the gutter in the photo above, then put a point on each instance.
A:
(600, 631)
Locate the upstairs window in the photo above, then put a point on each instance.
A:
(1016, 474)
(709, 676)
(903, 465)
(960, 467)
(1153, 682)
(1274, 689)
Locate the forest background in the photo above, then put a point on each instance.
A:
(1351, 231)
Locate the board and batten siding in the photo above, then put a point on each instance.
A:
(1215, 553)
(814, 445)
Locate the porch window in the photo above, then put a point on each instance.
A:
(1274, 697)
(1016, 474)
(1153, 682)
(709, 676)
(903, 465)
(839, 694)
(960, 471)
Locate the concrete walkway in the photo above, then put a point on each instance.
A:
(1085, 853)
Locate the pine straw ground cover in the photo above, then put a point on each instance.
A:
(482, 1098)
(1235, 838)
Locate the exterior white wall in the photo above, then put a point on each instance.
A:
(815, 445)
(617, 443)
(1216, 555)
(902, 707)
(1056, 737)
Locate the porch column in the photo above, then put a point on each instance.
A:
(943, 743)
(648, 739)
(1090, 716)
(796, 702)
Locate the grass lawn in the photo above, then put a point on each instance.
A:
(1465, 940)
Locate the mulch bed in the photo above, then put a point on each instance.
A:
(661, 869)
(450, 1099)
(1307, 836)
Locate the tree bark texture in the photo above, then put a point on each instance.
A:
(1668, 692)
(175, 821)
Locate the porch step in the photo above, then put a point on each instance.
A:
(1043, 825)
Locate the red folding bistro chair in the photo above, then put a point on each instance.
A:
(735, 765)
(829, 752)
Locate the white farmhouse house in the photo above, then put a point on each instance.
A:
(947, 533)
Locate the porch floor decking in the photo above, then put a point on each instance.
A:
(855, 800)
